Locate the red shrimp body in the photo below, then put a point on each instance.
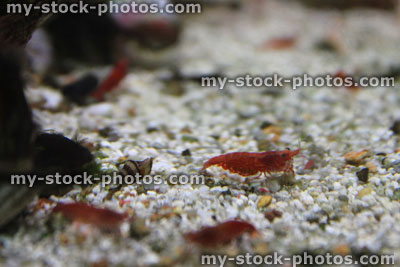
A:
(85, 213)
(220, 234)
(251, 163)
(113, 79)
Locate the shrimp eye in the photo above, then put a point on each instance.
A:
(283, 155)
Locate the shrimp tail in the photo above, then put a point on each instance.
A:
(213, 161)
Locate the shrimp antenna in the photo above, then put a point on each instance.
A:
(301, 154)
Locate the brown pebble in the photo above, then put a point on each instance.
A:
(100, 263)
(342, 249)
(273, 129)
(272, 214)
(280, 43)
(364, 192)
(356, 158)
(64, 239)
(309, 165)
(371, 166)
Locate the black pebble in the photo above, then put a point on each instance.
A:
(265, 124)
(186, 153)
(80, 89)
(326, 45)
(109, 132)
(363, 175)
(396, 127)
(152, 129)
(238, 132)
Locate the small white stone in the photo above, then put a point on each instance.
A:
(306, 198)
(337, 186)
(151, 193)
(100, 109)
(162, 166)
(217, 189)
(297, 204)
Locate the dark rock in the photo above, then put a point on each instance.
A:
(265, 124)
(110, 133)
(237, 132)
(327, 45)
(79, 90)
(362, 175)
(16, 125)
(59, 152)
(152, 129)
(396, 127)
(186, 153)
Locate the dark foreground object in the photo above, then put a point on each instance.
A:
(23, 150)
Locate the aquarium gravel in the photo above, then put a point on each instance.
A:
(326, 209)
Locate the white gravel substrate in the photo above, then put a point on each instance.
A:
(320, 212)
